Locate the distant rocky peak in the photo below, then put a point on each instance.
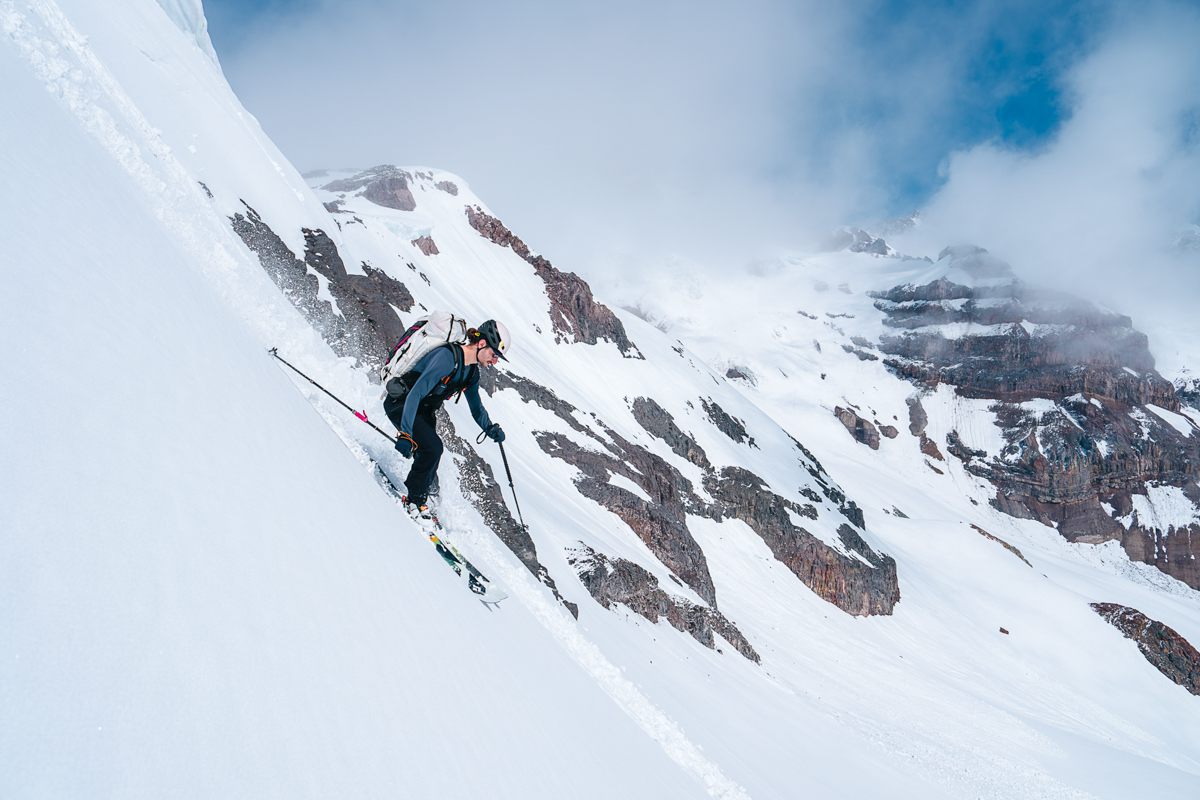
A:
(384, 185)
(857, 240)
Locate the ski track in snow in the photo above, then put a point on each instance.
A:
(175, 198)
(565, 630)
(69, 83)
(482, 548)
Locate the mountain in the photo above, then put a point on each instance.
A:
(743, 573)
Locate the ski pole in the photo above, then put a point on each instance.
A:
(513, 488)
(363, 415)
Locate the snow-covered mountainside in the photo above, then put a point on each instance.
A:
(775, 549)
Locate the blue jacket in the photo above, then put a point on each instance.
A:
(438, 376)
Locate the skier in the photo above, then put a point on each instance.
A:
(414, 398)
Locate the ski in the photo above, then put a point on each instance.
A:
(475, 581)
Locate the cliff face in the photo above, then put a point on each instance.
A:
(360, 322)
(1092, 432)
(853, 577)
(574, 312)
(358, 315)
(1170, 653)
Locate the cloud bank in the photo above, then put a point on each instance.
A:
(619, 136)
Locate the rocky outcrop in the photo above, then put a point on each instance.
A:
(426, 245)
(857, 241)
(573, 311)
(447, 187)
(862, 430)
(661, 521)
(657, 422)
(865, 583)
(1073, 387)
(1170, 653)
(360, 322)
(734, 428)
(384, 185)
(614, 580)
(862, 585)
(1002, 543)
(918, 420)
(1016, 340)
(480, 487)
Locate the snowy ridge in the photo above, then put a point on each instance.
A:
(207, 590)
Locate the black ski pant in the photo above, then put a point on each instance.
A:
(428, 453)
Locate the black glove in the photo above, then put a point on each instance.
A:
(494, 432)
(405, 446)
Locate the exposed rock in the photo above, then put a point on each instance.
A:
(741, 374)
(1095, 443)
(1170, 653)
(363, 324)
(853, 585)
(1003, 543)
(862, 430)
(369, 297)
(862, 355)
(1029, 343)
(889, 431)
(426, 245)
(611, 581)
(734, 428)
(657, 422)
(917, 418)
(447, 187)
(859, 587)
(573, 310)
(660, 522)
(384, 185)
(863, 242)
(929, 447)
(480, 487)
(391, 193)
(1188, 392)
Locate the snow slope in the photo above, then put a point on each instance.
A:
(206, 594)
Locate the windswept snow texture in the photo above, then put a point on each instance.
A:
(206, 594)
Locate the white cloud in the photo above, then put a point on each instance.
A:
(1096, 210)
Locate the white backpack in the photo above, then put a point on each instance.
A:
(426, 334)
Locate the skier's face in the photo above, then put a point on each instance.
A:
(487, 356)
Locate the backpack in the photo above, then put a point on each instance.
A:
(426, 334)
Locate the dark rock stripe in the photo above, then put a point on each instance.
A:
(1170, 653)
(615, 580)
(573, 310)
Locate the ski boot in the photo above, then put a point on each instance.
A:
(421, 514)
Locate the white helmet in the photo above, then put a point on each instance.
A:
(496, 335)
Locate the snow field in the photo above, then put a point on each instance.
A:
(204, 589)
